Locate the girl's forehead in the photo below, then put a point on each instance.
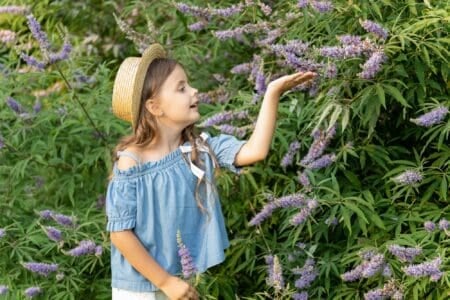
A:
(178, 73)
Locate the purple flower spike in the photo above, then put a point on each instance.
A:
(33, 291)
(187, 263)
(46, 214)
(2, 232)
(41, 268)
(404, 254)
(38, 34)
(373, 65)
(85, 247)
(444, 224)
(429, 226)
(3, 289)
(322, 6)
(374, 28)
(300, 296)
(429, 268)
(431, 118)
(54, 234)
(408, 177)
(63, 220)
(275, 278)
(308, 274)
(14, 105)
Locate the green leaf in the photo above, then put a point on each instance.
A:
(393, 91)
(381, 96)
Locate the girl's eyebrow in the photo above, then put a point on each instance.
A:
(181, 82)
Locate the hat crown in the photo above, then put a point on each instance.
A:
(129, 82)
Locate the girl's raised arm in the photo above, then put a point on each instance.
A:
(257, 147)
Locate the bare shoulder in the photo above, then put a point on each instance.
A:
(126, 162)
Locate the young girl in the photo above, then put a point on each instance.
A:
(163, 177)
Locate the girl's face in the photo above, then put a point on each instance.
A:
(177, 101)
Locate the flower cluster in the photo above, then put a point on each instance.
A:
(275, 278)
(443, 225)
(408, 177)
(371, 265)
(319, 6)
(431, 118)
(297, 200)
(308, 274)
(7, 36)
(429, 268)
(49, 57)
(142, 41)
(41, 268)
(187, 263)
(389, 290)
(289, 156)
(223, 117)
(33, 291)
(86, 247)
(320, 142)
(14, 10)
(405, 254)
(61, 219)
(375, 29)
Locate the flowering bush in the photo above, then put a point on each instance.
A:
(352, 201)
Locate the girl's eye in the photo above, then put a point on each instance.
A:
(182, 89)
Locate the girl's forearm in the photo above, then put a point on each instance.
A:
(262, 135)
(135, 253)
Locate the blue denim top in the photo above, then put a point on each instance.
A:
(156, 199)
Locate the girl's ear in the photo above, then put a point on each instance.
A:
(152, 106)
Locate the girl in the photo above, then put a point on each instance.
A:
(162, 180)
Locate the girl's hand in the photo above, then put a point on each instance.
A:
(177, 289)
(287, 82)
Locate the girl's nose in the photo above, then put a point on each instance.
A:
(194, 91)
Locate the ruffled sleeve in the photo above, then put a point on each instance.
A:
(225, 148)
(121, 204)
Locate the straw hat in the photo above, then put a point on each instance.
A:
(129, 82)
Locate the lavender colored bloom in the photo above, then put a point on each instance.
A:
(322, 162)
(404, 254)
(429, 226)
(348, 39)
(266, 9)
(331, 71)
(293, 200)
(197, 26)
(272, 35)
(321, 141)
(33, 62)
(300, 296)
(375, 294)
(374, 28)
(33, 291)
(37, 106)
(308, 274)
(38, 34)
(373, 65)
(429, 268)
(331, 221)
(244, 68)
(193, 10)
(296, 47)
(46, 214)
(275, 278)
(408, 177)
(2, 232)
(321, 6)
(238, 32)
(2, 142)
(368, 268)
(3, 289)
(301, 217)
(304, 180)
(289, 156)
(14, 10)
(101, 200)
(187, 262)
(444, 224)
(54, 234)
(260, 83)
(229, 11)
(85, 247)
(63, 220)
(223, 117)
(431, 118)
(302, 3)
(98, 251)
(229, 129)
(41, 268)
(387, 271)
(14, 105)
(63, 54)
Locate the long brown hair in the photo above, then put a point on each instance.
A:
(145, 130)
